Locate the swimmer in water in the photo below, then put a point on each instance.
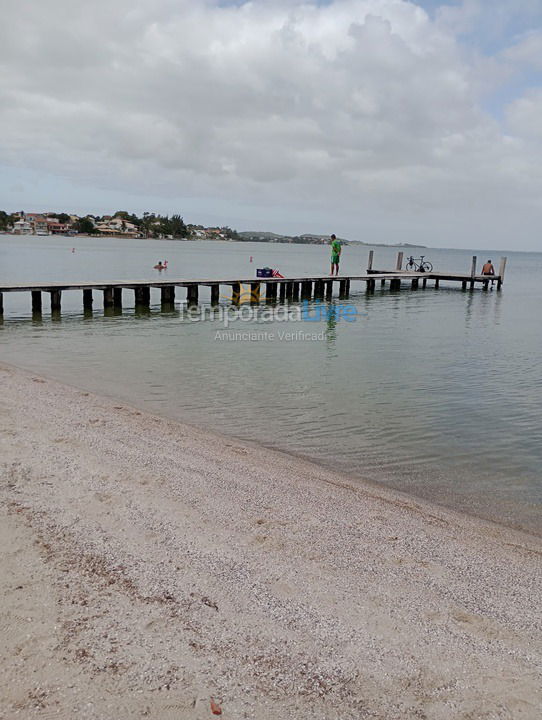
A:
(160, 266)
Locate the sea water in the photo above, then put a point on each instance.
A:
(437, 393)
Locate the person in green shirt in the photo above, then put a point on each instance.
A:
(335, 254)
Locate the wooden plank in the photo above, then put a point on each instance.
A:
(399, 260)
(370, 261)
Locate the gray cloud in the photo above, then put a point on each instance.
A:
(358, 114)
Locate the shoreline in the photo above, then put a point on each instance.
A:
(354, 478)
(152, 565)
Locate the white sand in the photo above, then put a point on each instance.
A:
(148, 566)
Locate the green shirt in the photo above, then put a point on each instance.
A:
(335, 247)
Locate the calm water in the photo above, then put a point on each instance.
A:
(437, 393)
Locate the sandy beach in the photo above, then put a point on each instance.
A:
(150, 569)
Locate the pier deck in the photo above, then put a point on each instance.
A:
(288, 288)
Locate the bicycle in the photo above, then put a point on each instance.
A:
(418, 265)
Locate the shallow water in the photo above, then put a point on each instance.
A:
(435, 392)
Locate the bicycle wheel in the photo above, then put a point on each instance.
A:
(427, 266)
(411, 266)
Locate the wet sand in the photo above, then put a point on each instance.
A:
(149, 567)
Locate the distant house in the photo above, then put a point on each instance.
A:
(57, 228)
(22, 227)
(117, 227)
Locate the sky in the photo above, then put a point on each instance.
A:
(379, 120)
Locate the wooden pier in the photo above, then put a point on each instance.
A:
(276, 289)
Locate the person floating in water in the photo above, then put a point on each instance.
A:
(335, 254)
(488, 269)
(161, 265)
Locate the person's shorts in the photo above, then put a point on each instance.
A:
(335, 259)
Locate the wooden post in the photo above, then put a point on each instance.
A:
(318, 289)
(108, 297)
(399, 260)
(192, 292)
(236, 293)
(167, 295)
(473, 271)
(415, 282)
(329, 289)
(437, 283)
(142, 296)
(36, 301)
(215, 294)
(255, 292)
(342, 288)
(485, 285)
(370, 261)
(56, 300)
(371, 284)
(1, 303)
(269, 286)
(424, 283)
(289, 290)
(463, 285)
(306, 290)
(395, 284)
(383, 282)
(502, 268)
(282, 291)
(87, 299)
(295, 292)
(347, 288)
(117, 298)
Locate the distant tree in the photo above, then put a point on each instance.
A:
(61, 217)
(84, 225)
(6, 221)
(178, 227)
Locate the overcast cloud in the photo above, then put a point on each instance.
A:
(380, 120)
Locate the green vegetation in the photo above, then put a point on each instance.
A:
(6, 221)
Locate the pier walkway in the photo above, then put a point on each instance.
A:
(289, 289)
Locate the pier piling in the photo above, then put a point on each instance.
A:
(108, 297)
(56, 300)
(117, 298)
(87, 300)
(36, 301)
(215, 294)
(473, 271)
(142, 297)
(192, 293)
(255, 292)
(167, 295)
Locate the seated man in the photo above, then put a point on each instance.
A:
(488, 269)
